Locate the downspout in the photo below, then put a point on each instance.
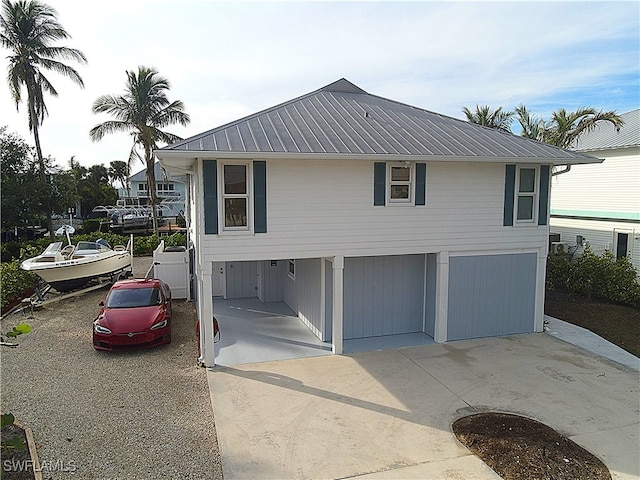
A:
(560, 172)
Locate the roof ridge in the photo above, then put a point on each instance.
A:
(339, 86)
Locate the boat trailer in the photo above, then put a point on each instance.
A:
(45, 294)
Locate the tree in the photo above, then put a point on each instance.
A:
(119, 172)
(532, 126)
(20, 201)
(143, 110)
(28, 28)
(487, 117)
(564, 128)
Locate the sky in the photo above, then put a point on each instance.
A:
(229, 59)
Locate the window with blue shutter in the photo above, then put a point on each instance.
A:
(399, 183)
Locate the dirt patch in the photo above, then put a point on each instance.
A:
(17, 465)
(619, 324)
(519, 448)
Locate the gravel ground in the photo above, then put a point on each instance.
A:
(110, 415)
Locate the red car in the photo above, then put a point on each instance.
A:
(136, 314)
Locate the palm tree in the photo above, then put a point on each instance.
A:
(564, 128)
(119, 172)
(487, 117)
(28, 28)
(532, 126)
(143, 110)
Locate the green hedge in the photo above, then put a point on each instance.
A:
(595, 276)
(14, 281)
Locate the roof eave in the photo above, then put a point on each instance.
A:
(178, 157)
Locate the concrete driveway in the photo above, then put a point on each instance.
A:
(388, 414)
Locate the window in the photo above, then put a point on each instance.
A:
(400, 188)
(292, 269)
(526, 195)
(235, 197)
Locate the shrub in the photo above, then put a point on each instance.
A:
(14, 281)
(595, 276)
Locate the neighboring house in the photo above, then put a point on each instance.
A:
(601, 203)
(370, 217)
(170, 192)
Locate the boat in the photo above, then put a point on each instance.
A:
(73, 266)
(131, 217)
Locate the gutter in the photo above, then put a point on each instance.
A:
(560, 172)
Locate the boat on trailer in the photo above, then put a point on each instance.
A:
(73, 266)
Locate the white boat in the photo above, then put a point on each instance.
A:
(72, 266)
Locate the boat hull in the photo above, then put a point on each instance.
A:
(69, 274)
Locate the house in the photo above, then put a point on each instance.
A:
(599, 204)
(370, 217)
(170, 192)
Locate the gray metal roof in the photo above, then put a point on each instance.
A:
(141, 176)
(607, 136)
(342, 119)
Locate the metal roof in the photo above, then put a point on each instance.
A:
(607, 136)
(341, 119)
(141, 176)
(160, 175)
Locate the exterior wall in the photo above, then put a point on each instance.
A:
(600, 235)
(303, 294)
(272, 278)
(598, 200)
(321, 209)
(608, 190)
(383, 295)
(242, 279)
(491, 295)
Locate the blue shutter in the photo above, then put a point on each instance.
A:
(260, 196)
(379, 183)
(421, 183)
(509, 193)
(210, 180)
(544, 194)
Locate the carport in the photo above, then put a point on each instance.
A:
(253, 331)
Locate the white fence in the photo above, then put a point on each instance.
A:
(172, 267)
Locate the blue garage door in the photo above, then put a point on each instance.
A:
(491, 295)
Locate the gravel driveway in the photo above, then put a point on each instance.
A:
(110, 415)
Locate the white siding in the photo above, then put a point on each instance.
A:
(325, 208)
(609, 190)
(606, 196)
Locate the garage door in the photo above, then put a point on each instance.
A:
(491, 295)
(383, 295)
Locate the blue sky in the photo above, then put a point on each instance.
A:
(226, 60)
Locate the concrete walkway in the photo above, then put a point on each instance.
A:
(588, 340)
(388, 414)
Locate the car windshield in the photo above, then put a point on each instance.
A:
(133, 297)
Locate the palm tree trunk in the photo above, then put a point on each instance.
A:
(43, 175)
(151, 184)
